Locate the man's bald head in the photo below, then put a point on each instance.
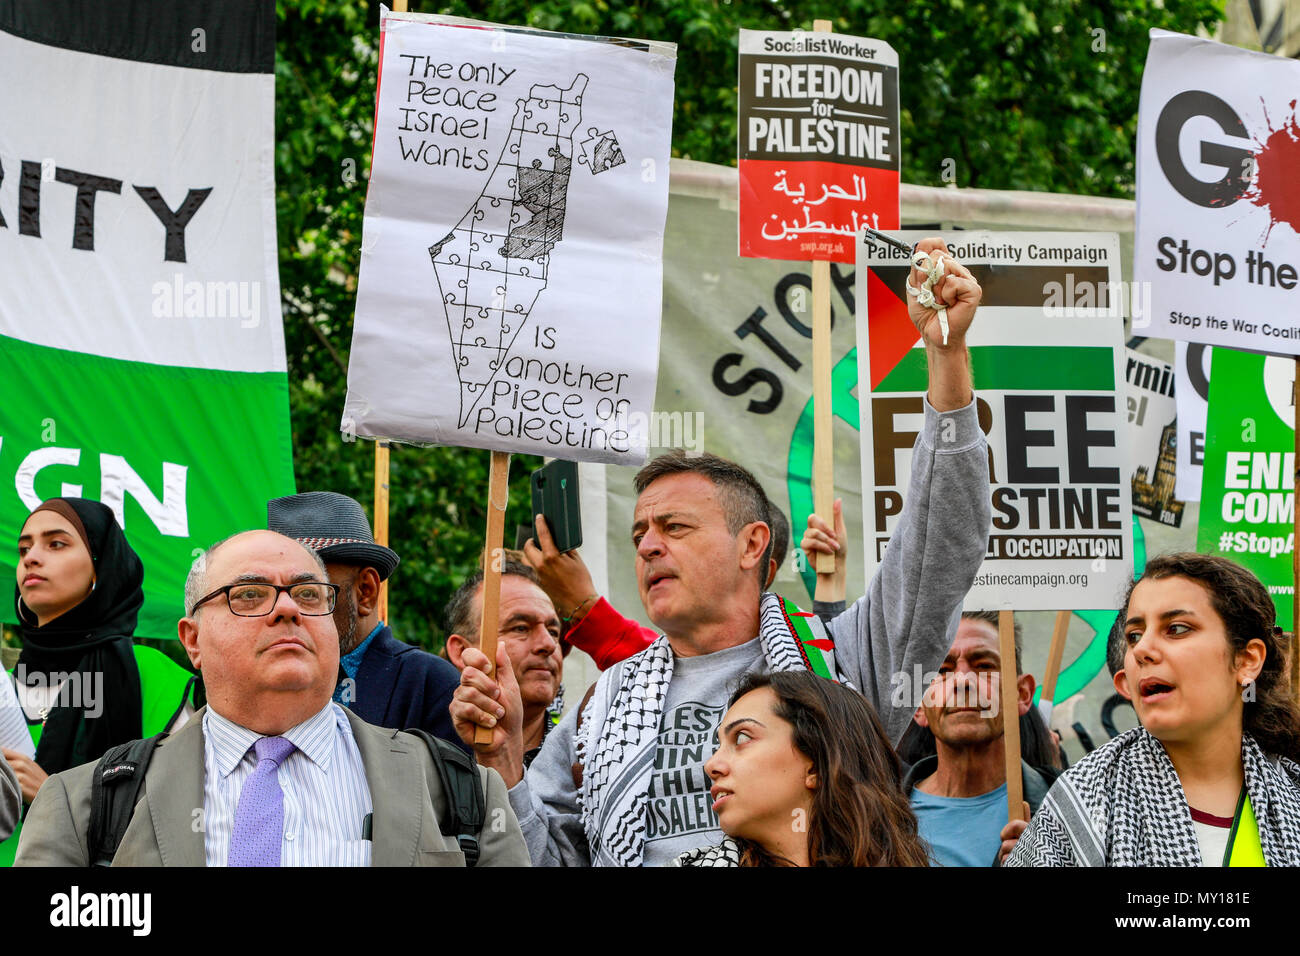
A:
(270, 670)
(197, 581)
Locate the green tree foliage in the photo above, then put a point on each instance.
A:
(998, 94)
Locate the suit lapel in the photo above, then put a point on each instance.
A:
(394, 775)
(178, 764)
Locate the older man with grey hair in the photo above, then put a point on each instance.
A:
(621, 780)
(381, 679)
(272, 772)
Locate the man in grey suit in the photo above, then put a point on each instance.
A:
(271, 772)
(11, 798)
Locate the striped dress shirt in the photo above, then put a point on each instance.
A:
(326, 797)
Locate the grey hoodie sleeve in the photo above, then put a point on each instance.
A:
(546, 801)
(902, 627)
(11, 799)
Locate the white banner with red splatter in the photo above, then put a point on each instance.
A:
(1218, 196)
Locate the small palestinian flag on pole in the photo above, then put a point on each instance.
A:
(141, 344)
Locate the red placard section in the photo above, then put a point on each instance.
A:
(812, 210)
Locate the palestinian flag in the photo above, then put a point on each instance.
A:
(141, 343)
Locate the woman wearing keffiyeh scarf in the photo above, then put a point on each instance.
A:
(1212, 775)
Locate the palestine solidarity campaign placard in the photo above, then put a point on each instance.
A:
(140, 335)
(511, 259)
(1218, 196)
(1047, 355)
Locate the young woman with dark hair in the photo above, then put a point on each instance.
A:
(78, 593)
(1211, 776)
(804, 776)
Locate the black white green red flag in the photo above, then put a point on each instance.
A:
(140, 333)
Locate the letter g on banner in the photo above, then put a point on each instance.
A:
(1175, 115)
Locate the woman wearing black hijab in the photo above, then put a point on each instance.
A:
(78, 595)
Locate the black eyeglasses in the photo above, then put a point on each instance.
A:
(314, 598)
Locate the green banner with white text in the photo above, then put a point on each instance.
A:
(140, 334)
(1248, 485)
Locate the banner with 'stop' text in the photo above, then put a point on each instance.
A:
(1218, 196)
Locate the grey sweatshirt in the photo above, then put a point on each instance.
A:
(907, 619)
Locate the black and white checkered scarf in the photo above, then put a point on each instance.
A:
(1123, 805)
(725, 854)
(620, 731)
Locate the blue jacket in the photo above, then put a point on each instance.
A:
(400, 686)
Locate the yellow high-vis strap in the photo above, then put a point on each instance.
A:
(1244, 848)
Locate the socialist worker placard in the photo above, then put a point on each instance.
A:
(818, 143)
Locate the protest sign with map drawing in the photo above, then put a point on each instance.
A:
(510, 282)
(492, 266)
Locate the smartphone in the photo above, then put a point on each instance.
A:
(524, 533)
(555, 498)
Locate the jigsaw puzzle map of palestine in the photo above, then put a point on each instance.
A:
(492, 266)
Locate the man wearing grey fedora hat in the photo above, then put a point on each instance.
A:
(382, 680)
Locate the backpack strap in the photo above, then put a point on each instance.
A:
(115, 790)
(185, 699)
(463, 788)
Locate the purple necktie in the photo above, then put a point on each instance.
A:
(256, 836)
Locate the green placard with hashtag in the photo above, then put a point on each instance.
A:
(1248, 490)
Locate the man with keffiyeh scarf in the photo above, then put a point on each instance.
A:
(620, 781)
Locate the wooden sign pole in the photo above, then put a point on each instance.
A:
(1010, 715)
(498, 498)
(381, 471)
(823, 423)
(381, 516)
(1054, 656)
